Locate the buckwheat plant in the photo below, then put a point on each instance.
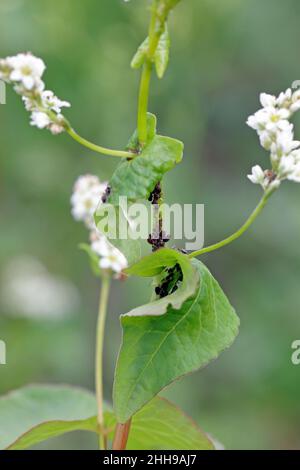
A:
(189, 320)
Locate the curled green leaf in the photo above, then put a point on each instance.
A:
(163, 341)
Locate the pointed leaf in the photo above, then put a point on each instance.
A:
(162, 53)
(161, 58)
(157, 349)
(140, 55)
(37, 413)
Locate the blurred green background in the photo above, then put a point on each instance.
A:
(223, 54)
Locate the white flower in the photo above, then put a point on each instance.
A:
(24, 72)
(110, 258)
(99, 243)
(295, 105)
(87, 193)
(284, 99)
(51, 102)
(267, 100)
(276, 134)
(26, 69)
(286, 167)
(284, 145)
(113, 260)
(295, 174)
(57, 128)
(39, 119)
(257, 176)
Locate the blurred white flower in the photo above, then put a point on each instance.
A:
(113, 260)
(267, 100)
(25, 72)
(99, 243)
(51, 102)
(257, 176)
(87, 194)
(276, 134)
(110, 258)
(39, 119)
(29, 290)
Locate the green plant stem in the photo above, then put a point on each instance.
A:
(143, 102)
(239, 232)
(97, 148)
(103, 301)
(155, 31)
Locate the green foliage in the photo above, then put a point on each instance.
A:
(163, 341)
(162, 53)
(154, 265)
(162, 425)
(140, 55)
(37, 413)
(161, 56)
(135, 179)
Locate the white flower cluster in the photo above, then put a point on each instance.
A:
(276, 135)
(24, 72)
(87, 195)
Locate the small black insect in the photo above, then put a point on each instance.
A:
(170, 283)
(106, 194)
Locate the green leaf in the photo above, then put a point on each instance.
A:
(161, 58)
(140, 55)
(160, 345)
(162, 53)
(37, 413)
(136, 178)
(160, 425)
(153, 265)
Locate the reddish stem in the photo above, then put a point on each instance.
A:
(121, 435)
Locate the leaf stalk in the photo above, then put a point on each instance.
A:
(238, 233)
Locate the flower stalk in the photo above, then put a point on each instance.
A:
(239, 232)
(104, 295)
(98, 148)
